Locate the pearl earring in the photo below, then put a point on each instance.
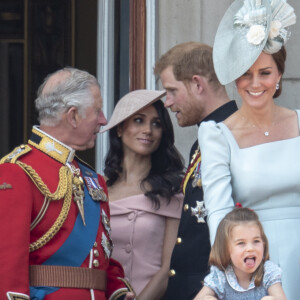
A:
(277, 86)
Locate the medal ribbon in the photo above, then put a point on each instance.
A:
(190, 171)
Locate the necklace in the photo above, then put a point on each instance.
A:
(265, 132)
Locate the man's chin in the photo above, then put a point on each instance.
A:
(181, 123)
(85, 147)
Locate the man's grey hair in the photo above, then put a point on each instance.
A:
(72, 91)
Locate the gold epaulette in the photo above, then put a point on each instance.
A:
(15, 154)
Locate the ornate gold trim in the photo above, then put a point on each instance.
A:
(16, 296)
(63, 191)
(128, 285)
(118, 293)
(52, 147)
(15, 154)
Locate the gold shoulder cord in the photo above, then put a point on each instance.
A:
(63, 191)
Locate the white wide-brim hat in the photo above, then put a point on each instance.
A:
(130, 104)
(248, 28)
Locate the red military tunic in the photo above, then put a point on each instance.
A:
(26, 215)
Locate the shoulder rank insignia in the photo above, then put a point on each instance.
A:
(5, 186)
(15, 154)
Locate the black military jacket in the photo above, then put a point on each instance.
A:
(189, 261)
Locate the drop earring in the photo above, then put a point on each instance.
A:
(277, 86)
(119, 134)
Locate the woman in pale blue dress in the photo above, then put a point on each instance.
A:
(253, 156)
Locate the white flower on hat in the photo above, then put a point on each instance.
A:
(256, 34)
(274, 29)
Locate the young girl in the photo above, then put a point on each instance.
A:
(240, 268)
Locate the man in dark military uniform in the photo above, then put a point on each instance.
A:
(195, 95)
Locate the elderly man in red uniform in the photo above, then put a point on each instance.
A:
(54, 214)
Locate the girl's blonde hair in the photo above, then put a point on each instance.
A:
(220, 254)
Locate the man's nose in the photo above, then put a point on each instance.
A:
(169, 101)
(102, 120)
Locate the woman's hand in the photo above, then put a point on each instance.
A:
(156, 287)
(130, 296)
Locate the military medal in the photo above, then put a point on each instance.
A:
(95, 190)
(197, 176)
(199, 211)
(88, 173)
(106, 245)
(105, 222)
(77, 186)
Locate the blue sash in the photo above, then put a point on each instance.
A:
(79, 243)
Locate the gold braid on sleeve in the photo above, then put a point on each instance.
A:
(63, 191)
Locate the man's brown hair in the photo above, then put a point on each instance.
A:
(189, 59)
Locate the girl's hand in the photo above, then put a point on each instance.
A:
(206, 293)
(209, 298)
(275, 292)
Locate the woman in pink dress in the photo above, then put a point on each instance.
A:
(144, 173)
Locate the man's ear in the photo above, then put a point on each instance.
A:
(73, 116)
(198, 83)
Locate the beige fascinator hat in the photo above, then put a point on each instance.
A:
(248, 28)
(130, 104)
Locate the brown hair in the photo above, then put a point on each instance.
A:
(220, 254)
(279, 58)
(189, 59)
